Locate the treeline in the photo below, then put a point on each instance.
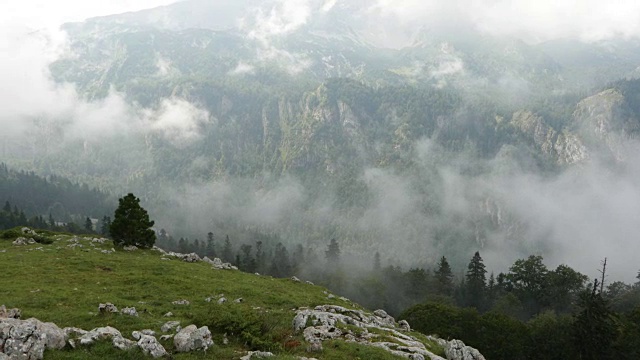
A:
(11, 217)
(528, 312)
(532, 312)
(66, 201)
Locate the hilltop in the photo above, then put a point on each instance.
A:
(64, 279)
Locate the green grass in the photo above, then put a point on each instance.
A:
(65, 285)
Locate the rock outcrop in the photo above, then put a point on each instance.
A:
(192, 339)
(28, 339)
(9, 313)
(328, 322)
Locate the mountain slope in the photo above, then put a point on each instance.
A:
(75, 274)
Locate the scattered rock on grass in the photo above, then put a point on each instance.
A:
(5, 313)
(191, 338)
(107, 308)
(151, 346)
(130, 311)
(169, 325)
(257, 355)
(181, 302)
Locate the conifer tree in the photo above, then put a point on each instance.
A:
(131, 224)
(227, 251)
(377, 264)
(211, 248)
(332, 254)
(594, 330)
(444, 277)
(88, 225)
(476, 282)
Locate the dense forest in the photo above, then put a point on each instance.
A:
(528, 312)
(51, 202)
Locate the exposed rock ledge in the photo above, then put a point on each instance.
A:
(28, 339)
(326, 322)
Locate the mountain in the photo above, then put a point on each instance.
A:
(239, 119)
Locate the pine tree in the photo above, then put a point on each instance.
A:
(280, 265)
(444, 277)
(52, 222)
(247, 262)
(227, 251)
(333, 253)
(476, 282)
(594, 330)
(88, 225)
(131, 224)
(377, 264)
(211, 247)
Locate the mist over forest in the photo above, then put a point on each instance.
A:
(413, 129)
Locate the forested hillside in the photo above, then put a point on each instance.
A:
(45, 202)
(455, 141)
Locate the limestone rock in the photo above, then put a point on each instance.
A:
(129, 311)
(107, 308)
(169, 314)
(457, 350)
(191, 338)
(123, 344)
(222, 300)
(5, 313)
(257, 355)
(148, 332)
(169, 325)
(27, 231)
(238, 300)
(151, 346)
(23, 241)
(130, 248)
(166, 337)
(295, 279)
(327, 322)
(99, 334)
(181, 302)
(193, 257)
(219, 264)
(28, 339)
(404, 325)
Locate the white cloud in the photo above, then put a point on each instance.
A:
(242, 68)
(30, 40)
(587, 20)
(178, 120)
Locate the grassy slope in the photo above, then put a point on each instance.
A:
(65, 285)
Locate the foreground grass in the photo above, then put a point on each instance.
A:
(62, 284)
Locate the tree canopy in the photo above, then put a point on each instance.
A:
(131, 224)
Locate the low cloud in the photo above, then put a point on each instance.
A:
(178, 120)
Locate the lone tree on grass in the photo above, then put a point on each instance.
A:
(131, 224)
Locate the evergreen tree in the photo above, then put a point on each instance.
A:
(247, 262)
(104, 227)
(227, 251)
(476, 282)
(377, 264)
(444, 277)
(7, 207)
(52, 222)
(594, 330)
(260, 262)
(88, 225)
(332, 254)
(211, 248)
(281, 264)
(131, 224)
